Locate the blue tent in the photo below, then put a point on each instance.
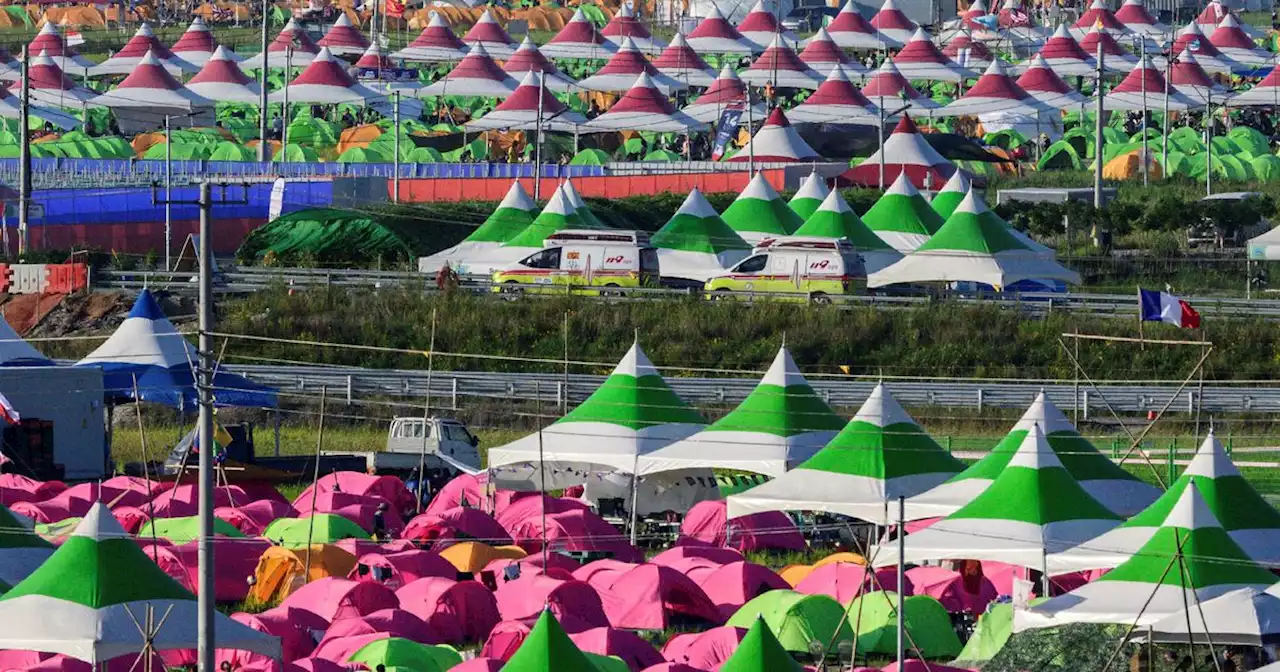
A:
(16, 352)
(148, 348)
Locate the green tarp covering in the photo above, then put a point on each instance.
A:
(324, 234)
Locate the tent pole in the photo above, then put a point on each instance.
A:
(1164, 124)
(1143, 59)
(395, 179)
(284, 113)
(264, 149)
(24, 155)
(635, 504)
(880, 141)
(426, 411)
(1097, 136)
(902, 550)
(205, 551)
(315, 482)
(1208, 145)
(168, 185)
(537, 143)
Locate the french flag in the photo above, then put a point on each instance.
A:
(1165, 307)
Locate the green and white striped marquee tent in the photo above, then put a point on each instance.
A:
(881, 455)
(945, 201)
(559, 214)
(759, 213)
(1189, 559)
(902, 217)
(631, 414)
(695, 243)
(835, 219)
(88, 600)
(974, 245)
(1250, 521)
(782, 423)
(589, 219)
(812, 192)
(1104, 480)
(1033, 508)
(513, 215)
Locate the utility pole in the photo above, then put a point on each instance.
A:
(537, 146)
(1142, 60)
(395, 179)
(168, 185)
(1097, 136)
(24, 156)
(264, 147)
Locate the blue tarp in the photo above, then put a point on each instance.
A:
(135, 204)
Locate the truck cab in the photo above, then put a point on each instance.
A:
(440, 436)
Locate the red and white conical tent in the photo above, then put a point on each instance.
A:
(893, 24)
(1099, 14)
(1264, 94)
(197, 44)
(1212, 15)
(890, 90)
(967, 52)
(715, 35)
(520, 110)
(1192, 39)
(1114, 57)
(11, 108)
(776, 142)
(51, 86)
(1234, 43)
(760, 25)
(578, 39)
(377, 71)
(325, 82)
(344, 39)
(995, 92)
(727, 91)
(1063, 53)
(905, 152)
(680, 62)
(435, 44)
(622, 69)
(821, 52)
(850, 31)
(781, 66)
(221, 79)
(475, 75)
(52, 43)
(1135, 17)
(1144, 88)
(149, 94)
(1043, 84)
(489, 33)
(292, 41)
(143, 42)
(625, 24)
(1188, 78)
(837, 101)
(920, 58)
(528, 59)
(643, 108)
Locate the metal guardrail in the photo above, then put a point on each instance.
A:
(250, 279)
(450, 389)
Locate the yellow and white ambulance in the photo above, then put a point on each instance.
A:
(812, 268)
(585, 261)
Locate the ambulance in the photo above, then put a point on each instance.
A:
(813, 268)
(585, 261)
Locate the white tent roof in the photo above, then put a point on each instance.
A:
(527, 58)
(1128, 94)
(11, 108)
(222, 80)
(680, 62)
(1245, 617)
(1045, 85)
(920, 58)
(624, 24)
(51, 86)
(343, 38)
(53, 43)
(488, 32)
(850, 31)
(1063, 53)
(475, 75)
(893, 23)
(777, 141)
(761, 25)
(14, 351)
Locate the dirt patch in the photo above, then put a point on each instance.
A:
(25, 311)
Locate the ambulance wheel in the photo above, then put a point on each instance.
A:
(511, 290)
(721, 294)
(820, 299)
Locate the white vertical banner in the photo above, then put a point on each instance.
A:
(276, 204)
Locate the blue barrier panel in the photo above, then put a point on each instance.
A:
(135, 204)
(192, 169)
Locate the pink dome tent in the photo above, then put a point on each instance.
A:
(462, 490)
(458, 612)
(850, 31)
(1135, 17)
(726, 91)
(475, 75)
(528, 59)
(26, 661)
(624, 24)
(396, 570)
(388, 622)
(311, 665)
(736, 584)
(525, 598)
(344, 39)
(197, 44)
(340, 649)
(464, 523)
(967, 52)
(359, 509)
(295, 639)
(131, 518)
(948, 587)
(578, 39)
(716, 554)
(1207, 54)
(490, 34)
(626, 646)
(697, 569)
(130, 56)
(761, 26)
(237, 560)
(221, 79)
(291, 41)
(893, 24)
(843, 581)
(145, 97)
(652, 597)
(708, 522)
(1099, 13)
(478, 665)
(435, 44)
(51, 43)
(1234, 43)
(715, 35)
(1115, 58)
(331, 598)
(704, 650)
(16, 488)
(920, 58)
(254, 517)
(680, 62)
(183, 500)
(672, 667)
(887, 88)
(574, 531)
(601, 574)
(905, 152)
(1063, 54)
(523, 506)
(557, 564)
(781, 66)
(1043, 84)
(507, 636)
(837, 101)
(622, 69)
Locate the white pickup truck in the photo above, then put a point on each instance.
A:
(442, 443)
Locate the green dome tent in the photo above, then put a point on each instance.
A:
(590, 157)
(1224, 146)
(760, 651)
(335, 235)
(1265, 167)
(927, 623)
(1177, 163)
(183, 530)
(1238, 166)
(314, 132)
(181, 152)
(294, 153)
(230, 151)
(363, 155)
(662, 155)
(1222, 169)
(329, 527)
(797, 619)
(406, 654)
(1005, 139)
(1153, 134)
(1080, 140)
(1250, 140)
(424, 155)
(1186, 140)
(1061, 155)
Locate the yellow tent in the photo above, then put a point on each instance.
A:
(470, 557)
(794, 574)
(77, 16)
(1128, 166)
(281, 571)
(357, 136)
(852, 558)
